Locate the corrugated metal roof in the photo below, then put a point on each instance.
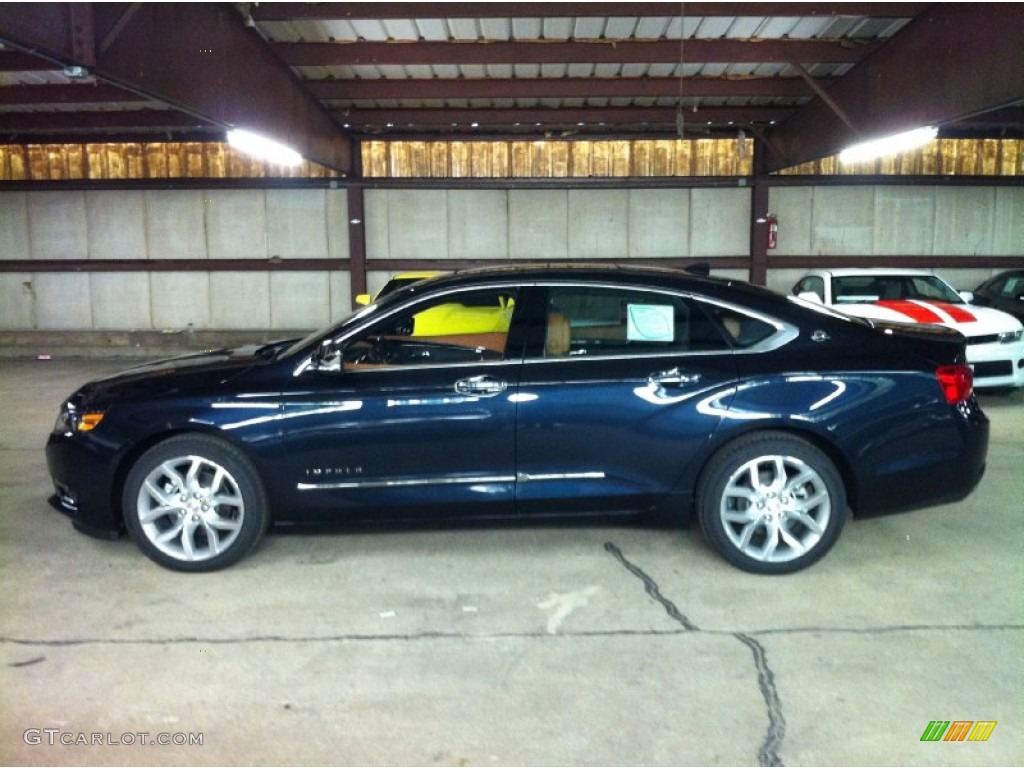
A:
(582, 28)
(400, 69)
(854, 29)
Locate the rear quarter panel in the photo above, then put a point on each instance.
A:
(885, 425)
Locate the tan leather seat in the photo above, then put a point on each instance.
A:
(558, 341)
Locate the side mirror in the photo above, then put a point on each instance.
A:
(326, 357)
(967, 296)
(810, 296)
(363, 299)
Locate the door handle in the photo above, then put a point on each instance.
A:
(481, 386)
(673, 377)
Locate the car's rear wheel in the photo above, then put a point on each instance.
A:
(771, 503)
(194, 503)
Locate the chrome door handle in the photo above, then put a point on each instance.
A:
(673, 377)
(481, 386)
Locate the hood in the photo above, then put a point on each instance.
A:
(177, 374)
(969, 319)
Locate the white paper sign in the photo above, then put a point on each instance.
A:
(650, 322)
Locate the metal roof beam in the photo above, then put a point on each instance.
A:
(16, 61)
(502, 10)
(36, 124)
(716, 116)
(721, 51)
(954, 61)
(550, 87)
(80, 93)
(196, 57)
(520, 88)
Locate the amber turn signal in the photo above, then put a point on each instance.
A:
(89, 421)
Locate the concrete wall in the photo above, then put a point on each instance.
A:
(558, 224)
(904, 221)
(440, 225)
(172, 224)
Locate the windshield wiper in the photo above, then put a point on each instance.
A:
(273, 349)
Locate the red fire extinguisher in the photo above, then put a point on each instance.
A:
(773, 230)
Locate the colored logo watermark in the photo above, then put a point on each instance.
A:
(958, 730)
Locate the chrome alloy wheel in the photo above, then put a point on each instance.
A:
(190, 508)
(775, 509)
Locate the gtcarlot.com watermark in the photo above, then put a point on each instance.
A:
(53, 737)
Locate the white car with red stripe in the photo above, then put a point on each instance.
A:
(995, 340)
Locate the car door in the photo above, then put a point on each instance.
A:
(397, 421)
(617, 394)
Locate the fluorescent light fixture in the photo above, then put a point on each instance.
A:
(888, 145)
(263, 148)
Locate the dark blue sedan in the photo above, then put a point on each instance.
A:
(528, 392)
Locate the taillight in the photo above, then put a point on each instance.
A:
(957, 382)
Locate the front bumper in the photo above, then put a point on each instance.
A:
(60, 503)
(997, 365)
(83, 482)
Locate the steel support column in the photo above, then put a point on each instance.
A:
(357, 241)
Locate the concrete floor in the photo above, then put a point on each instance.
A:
(593, 645)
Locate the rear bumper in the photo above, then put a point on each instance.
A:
(942, 466)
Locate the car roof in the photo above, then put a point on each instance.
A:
(868, 272)
(586, 271)
(725, 289)
(418, 275)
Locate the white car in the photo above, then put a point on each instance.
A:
(995, 347)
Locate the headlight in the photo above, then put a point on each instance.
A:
(64, 425)
(1009, 337)
(71, 420)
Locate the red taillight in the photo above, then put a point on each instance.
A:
(957, 382)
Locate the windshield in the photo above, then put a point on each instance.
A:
(825, 310)
(395, 283)
(307, 340)
(865, 289)
(393, 295)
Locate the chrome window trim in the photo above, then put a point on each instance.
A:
(785, 333)
(306, 362)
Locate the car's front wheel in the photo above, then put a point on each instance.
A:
(194, 503)
(771, 503)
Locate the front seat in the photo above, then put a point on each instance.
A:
(558, 341)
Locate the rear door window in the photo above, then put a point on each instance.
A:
(589, 321)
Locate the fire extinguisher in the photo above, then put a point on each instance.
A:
(773, 230)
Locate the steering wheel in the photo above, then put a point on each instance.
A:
(373, 350)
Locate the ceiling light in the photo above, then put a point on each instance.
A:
(263, 148)
(888, 145)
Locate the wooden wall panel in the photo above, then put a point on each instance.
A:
(134, 160)
(518, 159)
(556, 159)
(942, 157)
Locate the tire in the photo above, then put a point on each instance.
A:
(771, 503)
(195, 503)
